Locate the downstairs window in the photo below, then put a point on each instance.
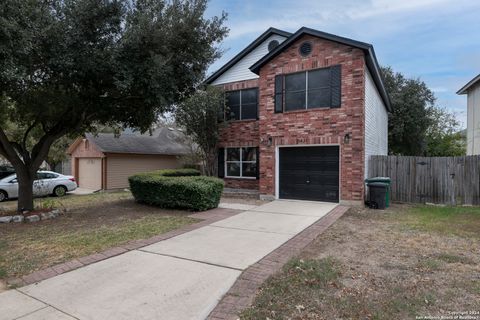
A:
(241, 162)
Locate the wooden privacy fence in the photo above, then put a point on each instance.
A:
(443, 180)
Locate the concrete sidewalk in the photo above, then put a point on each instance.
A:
(183, 277)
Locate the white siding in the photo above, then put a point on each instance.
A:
(240, 71)
(376, 122)
(473, 120)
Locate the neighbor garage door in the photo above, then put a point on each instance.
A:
(90, 173)
(309, 173)
(120, 167)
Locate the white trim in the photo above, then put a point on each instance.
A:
(277, 165)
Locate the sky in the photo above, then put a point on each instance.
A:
(437, 41)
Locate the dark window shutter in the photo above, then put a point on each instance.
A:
(258, 104)
(279, 93)
(336, 85)
(221, 110)
(258, 163)
(221, 162)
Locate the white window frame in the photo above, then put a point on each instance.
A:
(240, 162)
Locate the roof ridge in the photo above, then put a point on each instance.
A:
(469, 84)
(371, 59)
(246, 51)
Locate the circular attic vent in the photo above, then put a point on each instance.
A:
(305, 48)
(272, 45)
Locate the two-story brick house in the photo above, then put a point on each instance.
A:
(304, 112)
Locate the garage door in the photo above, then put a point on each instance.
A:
(90, 173)
(309, 173)
(119, 168)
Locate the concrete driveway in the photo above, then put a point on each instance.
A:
(82, 191)
(183, 277)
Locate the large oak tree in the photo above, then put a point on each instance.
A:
(67, 66)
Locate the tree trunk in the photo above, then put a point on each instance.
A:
(210, 164)
(27, 163)
(25, 189)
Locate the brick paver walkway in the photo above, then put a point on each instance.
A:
(242, 293)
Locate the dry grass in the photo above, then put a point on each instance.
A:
(71, 201)
(397, 264)
(93, 223)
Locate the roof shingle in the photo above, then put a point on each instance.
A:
(163, 141)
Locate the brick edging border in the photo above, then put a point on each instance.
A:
(208, 217)
(242, 293)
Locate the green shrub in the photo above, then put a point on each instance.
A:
(196, 193)
(187, 172)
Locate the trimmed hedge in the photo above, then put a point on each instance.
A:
(176, 172)
(193, 192)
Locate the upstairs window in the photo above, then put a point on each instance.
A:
(242, 104)
(318, 88)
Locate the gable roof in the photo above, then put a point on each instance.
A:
(163, 141)
(464, 89)
(371, 59)
(246, 51)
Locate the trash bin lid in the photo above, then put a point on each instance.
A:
(378, 184)
(378, 179)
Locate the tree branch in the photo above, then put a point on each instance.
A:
(2, 151)
(25, 136)
(17, 146)
(41, 148)
(8, 151)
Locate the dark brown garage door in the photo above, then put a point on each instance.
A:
(309, 173)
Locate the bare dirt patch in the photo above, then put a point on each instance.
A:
(389, 265)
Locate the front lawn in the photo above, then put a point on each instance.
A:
(71, 201)
(93, 223)
(405, 262)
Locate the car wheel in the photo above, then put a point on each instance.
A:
(3, 196)
(59, 191)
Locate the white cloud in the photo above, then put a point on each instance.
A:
(440, 89)
(372, 17)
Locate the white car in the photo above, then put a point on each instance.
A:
(47, 183)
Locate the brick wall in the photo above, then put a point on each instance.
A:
(306, 127)
(243, 133)
(316, 126)
(251, 184)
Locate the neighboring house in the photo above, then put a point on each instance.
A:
(305, 111)
(64, 167)
(105, 161)
(472, 90)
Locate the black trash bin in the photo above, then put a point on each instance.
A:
(378, 194)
